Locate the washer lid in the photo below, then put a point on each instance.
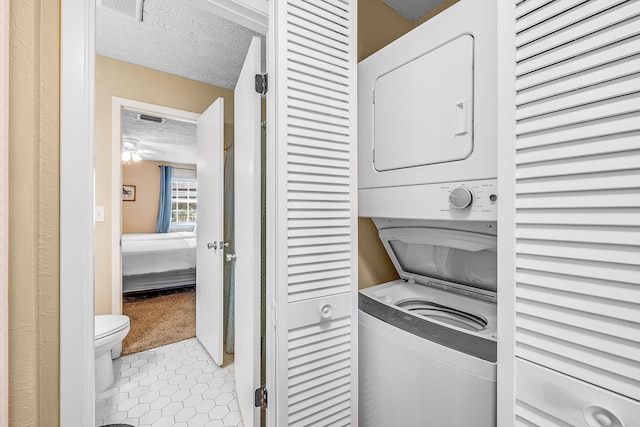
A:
(109, 325)
(457, 257)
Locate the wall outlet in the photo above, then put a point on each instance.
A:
(99, 213)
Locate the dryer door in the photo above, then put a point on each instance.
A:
(461, 258)
(423, 110)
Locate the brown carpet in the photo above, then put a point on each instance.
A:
(159, 318)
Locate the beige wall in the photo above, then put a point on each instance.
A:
(140, 215)
(379, 25)
(34, 148)
(120, 79)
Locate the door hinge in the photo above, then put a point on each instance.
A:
(261, 84)
(260, 398)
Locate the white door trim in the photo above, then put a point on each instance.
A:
(117, 104)
(506, 213)
(77, 228)
(4, 214)
(77, 231)
(271, 223)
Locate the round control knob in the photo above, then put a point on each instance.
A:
(460, 198)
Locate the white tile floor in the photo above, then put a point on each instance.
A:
(175, 385)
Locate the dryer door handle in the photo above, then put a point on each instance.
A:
(463, 117)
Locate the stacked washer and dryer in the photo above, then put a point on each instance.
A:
(427, 177)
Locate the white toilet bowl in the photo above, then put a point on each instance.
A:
(110, 330)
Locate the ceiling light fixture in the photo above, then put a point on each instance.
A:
(130, 150)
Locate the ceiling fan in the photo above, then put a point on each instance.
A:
(133, 150)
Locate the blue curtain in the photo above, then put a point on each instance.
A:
(164, 207)
(228, 308)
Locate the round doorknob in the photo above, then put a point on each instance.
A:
(326, 311)
(597, 416)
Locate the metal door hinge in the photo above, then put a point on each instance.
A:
(261, 84)
(260, 398)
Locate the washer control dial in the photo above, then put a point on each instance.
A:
(460, 198)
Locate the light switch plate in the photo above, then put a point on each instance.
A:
(99, 213)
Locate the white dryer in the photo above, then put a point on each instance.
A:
(427, 342)
(427, 106)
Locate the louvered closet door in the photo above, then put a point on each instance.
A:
(312, 213)
(577, 212)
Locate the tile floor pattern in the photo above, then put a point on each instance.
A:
(176, 385)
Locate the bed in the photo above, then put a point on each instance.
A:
(154, 261)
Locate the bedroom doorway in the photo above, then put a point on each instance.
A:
(153, 280)
(139, 198)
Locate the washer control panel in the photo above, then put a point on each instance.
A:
(462, 200)
(465, 199)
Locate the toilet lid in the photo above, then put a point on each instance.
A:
(110, 324)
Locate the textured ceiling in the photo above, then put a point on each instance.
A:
(172, 141)
(413, 10)
(177, 38)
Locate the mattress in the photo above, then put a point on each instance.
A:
(158, 252)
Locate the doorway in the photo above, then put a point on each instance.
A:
(158, 269)
(146, 225)
(106, 409)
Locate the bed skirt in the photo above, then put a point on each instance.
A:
(157, 281)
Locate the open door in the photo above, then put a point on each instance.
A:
(209, 296)
(312, 215)
(247, 239)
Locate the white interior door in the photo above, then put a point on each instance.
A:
(247, 235)
(209, 253)
(312, 214)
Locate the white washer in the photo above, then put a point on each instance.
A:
(427, 342)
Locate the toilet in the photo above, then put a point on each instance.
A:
(110, 330)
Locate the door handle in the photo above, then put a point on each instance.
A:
(463, 117)
(231, 257)
(213, 245)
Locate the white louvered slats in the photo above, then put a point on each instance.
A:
(315, 214)
(533, 417)
(577, 204)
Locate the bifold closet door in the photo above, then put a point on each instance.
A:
(577, 212)
(312, 214)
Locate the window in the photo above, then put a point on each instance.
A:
(184, 203)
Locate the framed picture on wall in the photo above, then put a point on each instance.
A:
(128, 193)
